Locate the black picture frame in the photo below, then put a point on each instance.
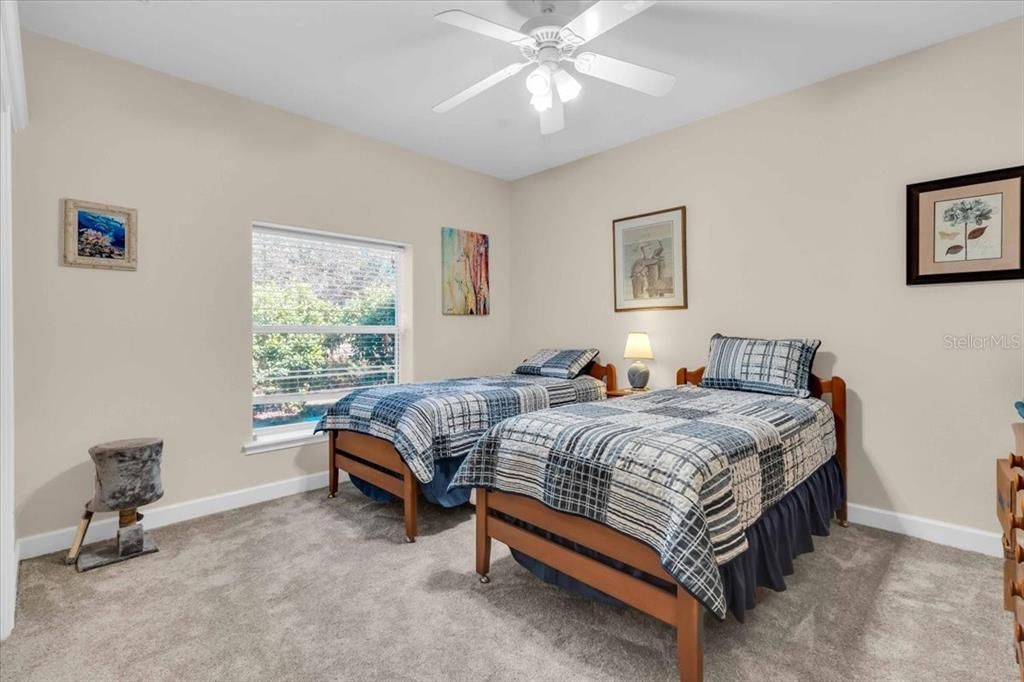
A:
(914, 193)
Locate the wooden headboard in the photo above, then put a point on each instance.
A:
(834, 386)
(606, 373)
(819, 386)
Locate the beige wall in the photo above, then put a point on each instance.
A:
(796, 226)
(166, 350)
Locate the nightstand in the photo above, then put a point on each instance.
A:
(623, 392)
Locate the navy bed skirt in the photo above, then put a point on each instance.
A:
(783, 533)
(436, 491)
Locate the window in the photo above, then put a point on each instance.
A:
(324, 321)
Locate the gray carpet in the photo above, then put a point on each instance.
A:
(306, 588)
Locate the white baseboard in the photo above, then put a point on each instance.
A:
(939, 532)
(103, 529)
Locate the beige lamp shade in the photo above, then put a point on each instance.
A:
(638, 347)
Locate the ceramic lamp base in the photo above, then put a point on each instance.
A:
(638, 375)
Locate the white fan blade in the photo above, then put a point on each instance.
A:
(552, 119)
(477, 88)
(470, 22)
(656, 83)
(600, 17)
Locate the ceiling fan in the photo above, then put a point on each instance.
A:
(547, 41)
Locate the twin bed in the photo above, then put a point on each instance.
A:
(401, 441)
(673, 502)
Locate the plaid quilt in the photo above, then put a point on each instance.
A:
(439, 419)
(684, 470)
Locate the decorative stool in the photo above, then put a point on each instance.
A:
(127, 477)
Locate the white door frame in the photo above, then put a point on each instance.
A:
(13, 114)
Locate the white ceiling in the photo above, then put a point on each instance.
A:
(377, 68)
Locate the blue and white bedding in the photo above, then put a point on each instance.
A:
(561, 363)
(433, 421)
(776, 366)
(684, 470)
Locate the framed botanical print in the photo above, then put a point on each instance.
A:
(649, 260)
(99, 235)
(966, 229)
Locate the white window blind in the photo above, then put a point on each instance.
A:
(324, 321)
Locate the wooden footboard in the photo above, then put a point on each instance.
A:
(376, 461)
(677, 607)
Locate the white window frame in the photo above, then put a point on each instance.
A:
(291, 435)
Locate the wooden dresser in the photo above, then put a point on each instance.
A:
(1010, 510)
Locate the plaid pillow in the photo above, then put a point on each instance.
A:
(779, 367)
(564, 364)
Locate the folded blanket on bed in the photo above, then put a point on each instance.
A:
(684, 470)
(440, 419)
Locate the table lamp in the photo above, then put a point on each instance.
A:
(638, 347)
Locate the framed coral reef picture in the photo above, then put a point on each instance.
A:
(966, 229)
(99, 235)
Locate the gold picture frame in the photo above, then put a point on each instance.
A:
(100, 235)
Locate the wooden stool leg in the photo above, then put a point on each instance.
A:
(332, 467)
(127, 517)
(76, 546)
(410, 495)
(483, 540)
(689, 636)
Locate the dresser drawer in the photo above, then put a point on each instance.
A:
(1018, 634)
(1009, 574)
(1013, 589)
(1013, 574)
(1019, 646)
(1008, 484)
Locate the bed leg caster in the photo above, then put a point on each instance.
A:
(409, 540)
(484, 579)
(844, 524)
(331, 496)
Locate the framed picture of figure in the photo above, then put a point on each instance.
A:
(966, 229)
(649, 260)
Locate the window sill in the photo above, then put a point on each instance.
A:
(282, 441)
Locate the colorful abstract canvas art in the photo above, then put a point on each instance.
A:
(465, 272)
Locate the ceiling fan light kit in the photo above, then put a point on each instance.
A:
(567, 86)
(547, 41)
(539, 81)
(541, 101)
